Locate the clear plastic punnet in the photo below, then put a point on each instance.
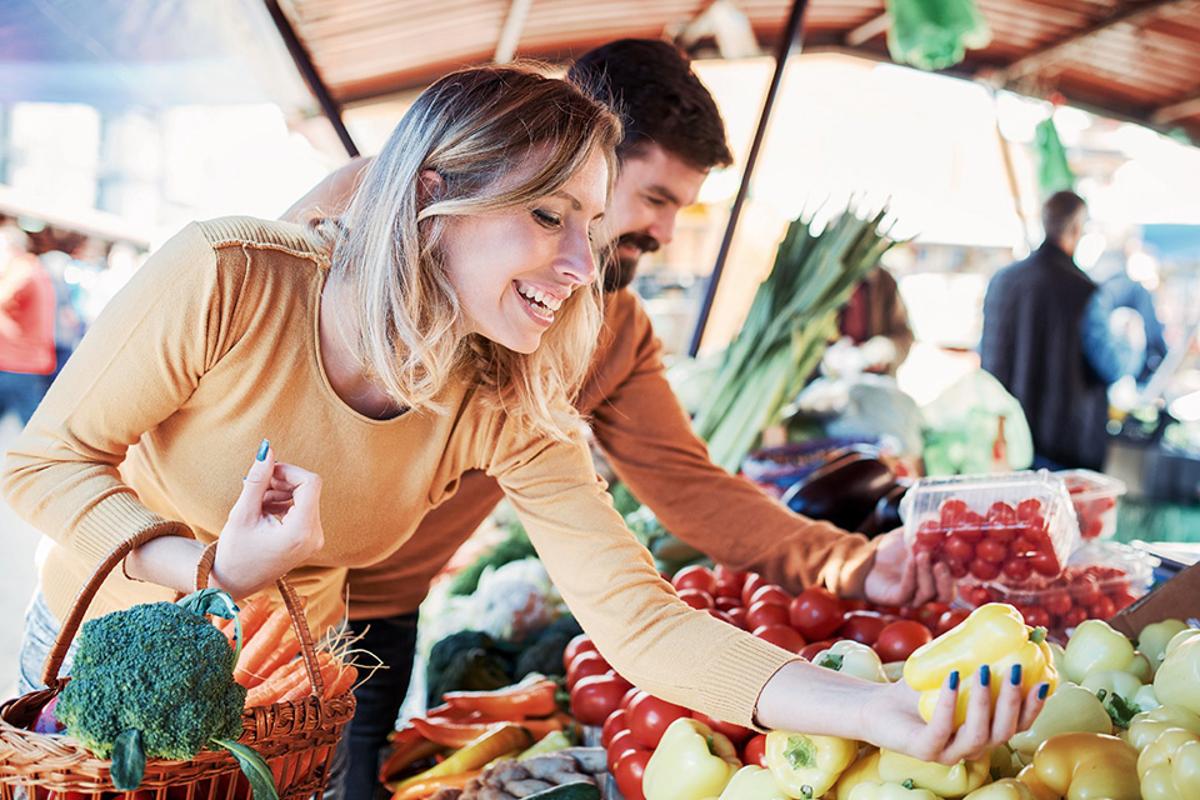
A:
(1095, 497)
(1006, 528)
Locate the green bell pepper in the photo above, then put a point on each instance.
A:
(874, 790)
(806, 765)
(1072, 709)
(1154, 638)
(1169, 768)
(948, 781)
(691, 762)
(1095, 646)
(752, 783)
(1177, 682)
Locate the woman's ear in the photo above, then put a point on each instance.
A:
(429, 187)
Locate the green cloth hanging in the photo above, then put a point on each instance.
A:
(1054, 173)
(935, 34)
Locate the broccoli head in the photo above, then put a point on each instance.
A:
(159, 669)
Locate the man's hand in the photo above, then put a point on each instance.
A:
(899, 579)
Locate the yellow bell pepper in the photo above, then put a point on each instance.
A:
(1006, 789)
(852, 658)
(1146, 699)
(1179, 639)
(952, 781)
(864, 770)
(1177, 682)
(753, 783)
(1088, 766)
(806, 765)
(994, 634)
(1096, 646)
(1029, 778)
(1140, 667)
(1072, 709)
(1003, 763)
(1169, 768)
(1146, 727)
(874, 790)
(691, 762)
(1154, 637)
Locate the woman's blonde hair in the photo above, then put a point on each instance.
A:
(472, 128)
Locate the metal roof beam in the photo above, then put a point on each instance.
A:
(1174, 112)
(1035, 60)
(510, 34)
(868, 30)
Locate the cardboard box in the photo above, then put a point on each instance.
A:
(1178, 598)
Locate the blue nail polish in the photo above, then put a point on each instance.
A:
(1015, 676)
(954, 681)
(985, 675)
(1043, 690)
(262, 450)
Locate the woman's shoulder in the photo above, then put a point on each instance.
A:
(265, 236)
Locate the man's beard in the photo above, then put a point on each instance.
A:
(619, 270)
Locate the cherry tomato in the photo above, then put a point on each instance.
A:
(755, 752)
(958, 568)
(929, 614)
(738, 615)
(763, 613)
(855, 604)
(1022, 546)
(628, 773)
(736, 733)
(621, 743)
(727, 589)
(695, 577)
(728, 603)
(815, 613)
(809, 651)
(580, 644)
(753, 581)
(1028, 509)
(1103, 608)
(784, 636)
(1057, 602)
(953, 512)
(697, 598)
(1017, 569)
(1045, 563)
(1004, 534)
(991, 550)
(1036, 616)
(721, 615)
(1074, 617)
(950, 619)
(862, 626)
(984, 570)
(971, 528)
(770, 594)
(1002, 513)
(928, 542)
(958, 548)
(585, 665)
(630, 696)
(975, 596)
(617, 721)
(1122, 598)
(724, 574)
(898, 640)
(594, 698)
(649, 717)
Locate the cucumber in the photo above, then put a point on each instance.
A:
(570, 791)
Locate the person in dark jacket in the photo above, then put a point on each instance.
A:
(1033, 317)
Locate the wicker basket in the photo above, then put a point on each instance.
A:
(297, 739)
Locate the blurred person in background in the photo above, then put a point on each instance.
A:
(27, 319)
(875, 322)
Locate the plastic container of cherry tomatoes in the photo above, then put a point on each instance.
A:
(1100, 579)
(1095, 498)
(1006, 527)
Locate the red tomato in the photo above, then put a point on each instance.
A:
(953, 512)
(1002, 513)
(738, 615)
(697, 598)
(721, 615)
(725, 589)
(630, 696)
(753, 581)
(855, 604)
(594, 698)
(1045, 563)
(580, 644)
(649, 717)
(1057, 602)
(1017, 569)
(862, 626)
(929, 614)
(809, 651)
(736, 733)
(815, 613)
(992, 550)
(1028, 509)
(958, 548)
(1122, 598)
(586, 665)
(950, 619)
(724, 574)
(972, 528)
(898, 640)
(1035, 616)
(1073, 617)
(628, 773)
(957, 567)
(755, 752)
(783, 636)
(621, 743)
(695, 577)
(764, 613)
(617, 721)
(770, 594)
(975, 596)
(727, 603)
(1102, 608)
(1003, 534)
(984, 570)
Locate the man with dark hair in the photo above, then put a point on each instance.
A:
(674, 136)
(1033, 342)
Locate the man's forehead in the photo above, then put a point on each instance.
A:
(654, 169)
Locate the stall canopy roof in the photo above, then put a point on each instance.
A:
(1139, 60)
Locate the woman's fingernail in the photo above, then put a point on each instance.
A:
(954, 680)
(985, 675)
(262, 450)
(1015, 676)
(1043, 690)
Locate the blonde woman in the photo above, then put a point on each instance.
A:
(440, 327)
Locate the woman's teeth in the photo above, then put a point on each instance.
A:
(539, 297)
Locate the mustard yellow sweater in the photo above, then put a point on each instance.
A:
(212, 347)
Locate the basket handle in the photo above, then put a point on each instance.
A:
(87, 593)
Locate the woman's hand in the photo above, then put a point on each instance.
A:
(274, 526)
(900, 579)
(891, 720)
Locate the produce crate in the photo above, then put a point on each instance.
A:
(1095, 497)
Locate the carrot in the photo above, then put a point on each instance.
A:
(259, 648)
(254, 615)
(329, 669)
(341, 684)
(280, 656)
(280, 682)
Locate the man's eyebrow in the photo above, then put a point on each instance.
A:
(666, 193)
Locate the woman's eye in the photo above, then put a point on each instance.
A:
(546, 218)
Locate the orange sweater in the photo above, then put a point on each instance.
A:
(648, 438)
(212, 346)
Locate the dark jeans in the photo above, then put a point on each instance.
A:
(20, 393)
(394, 641)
